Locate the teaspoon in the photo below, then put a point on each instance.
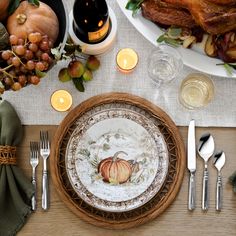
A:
(219, 161)
(205, 150)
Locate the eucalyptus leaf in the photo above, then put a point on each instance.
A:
(173, 42)
(134, 5)
(131, 5)
(174, 32)
(161, 38)
(165, 38)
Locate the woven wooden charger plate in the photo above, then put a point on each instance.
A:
(148, 211)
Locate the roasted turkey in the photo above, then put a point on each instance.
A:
(213, 16)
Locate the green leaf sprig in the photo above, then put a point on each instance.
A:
(171, 37)
(134, 6)
(14, 4)
(229, 67)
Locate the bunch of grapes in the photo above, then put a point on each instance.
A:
(25, 61)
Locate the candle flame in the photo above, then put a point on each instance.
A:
(61, 100)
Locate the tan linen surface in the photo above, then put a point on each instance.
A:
(176, 220)
(33, 103)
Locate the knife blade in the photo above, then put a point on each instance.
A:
(191, 163)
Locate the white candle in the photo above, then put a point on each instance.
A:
(61, 100)
(126, 60)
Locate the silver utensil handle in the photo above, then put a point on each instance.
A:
(219, 193)
(45, 191)
(192, 192)
(205, 194)
(33, 199)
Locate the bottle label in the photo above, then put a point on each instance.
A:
(100, 34)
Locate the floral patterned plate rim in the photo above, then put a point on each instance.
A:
(116, 157)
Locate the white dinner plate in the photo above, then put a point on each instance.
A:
(194, 58)
(126, 183)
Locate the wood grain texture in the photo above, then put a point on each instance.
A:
(176, 220)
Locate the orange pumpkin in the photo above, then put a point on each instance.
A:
(114, 169)
(3, 9)
(28, 18)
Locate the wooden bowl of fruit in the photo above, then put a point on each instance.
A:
(29, 29)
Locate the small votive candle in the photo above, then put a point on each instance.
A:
(61, 100)
(126, 60)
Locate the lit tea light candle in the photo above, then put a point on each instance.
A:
(126, 60)
(61, 100)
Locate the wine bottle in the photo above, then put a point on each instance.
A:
(91, 20)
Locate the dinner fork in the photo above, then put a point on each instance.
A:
(45, 152)
(34, 161)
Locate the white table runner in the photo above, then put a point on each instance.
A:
(33, 102)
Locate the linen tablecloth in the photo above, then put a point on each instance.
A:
(33, 102)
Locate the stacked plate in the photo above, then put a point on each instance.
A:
(118, 160)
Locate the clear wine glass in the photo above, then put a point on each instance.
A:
(164, 64)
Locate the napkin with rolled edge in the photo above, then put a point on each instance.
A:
(15, 189)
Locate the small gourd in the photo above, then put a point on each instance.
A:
(4, 37)
(114, 169)
(28, 18)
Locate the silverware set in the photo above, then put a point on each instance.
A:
(205, 150)
(41, 148)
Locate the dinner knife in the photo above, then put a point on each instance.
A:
(191, 152)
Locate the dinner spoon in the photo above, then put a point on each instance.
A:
(206, 149)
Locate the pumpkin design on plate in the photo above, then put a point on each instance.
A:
(114, 169)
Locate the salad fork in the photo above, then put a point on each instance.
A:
(45, 152)
(34, 161)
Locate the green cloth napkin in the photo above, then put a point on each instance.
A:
(15, 189)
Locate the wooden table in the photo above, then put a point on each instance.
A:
(176, 220)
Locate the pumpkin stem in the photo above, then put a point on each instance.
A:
(114, 158)
(21, 18)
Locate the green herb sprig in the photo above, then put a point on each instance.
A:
(171, 37)
(134, 6)
(229, 67)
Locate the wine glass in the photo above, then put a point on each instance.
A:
(164, 64)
